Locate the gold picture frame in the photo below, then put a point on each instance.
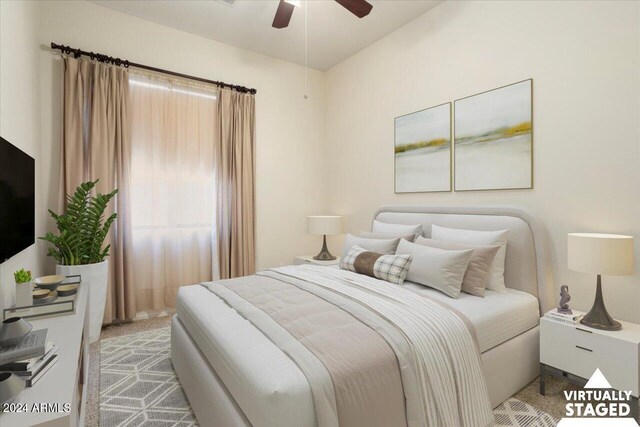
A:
(493, 139)
(423, 151)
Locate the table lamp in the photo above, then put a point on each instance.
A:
(324, 225)
(601, 254)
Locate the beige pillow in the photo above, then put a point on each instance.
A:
(381, 246)
(475, 237)
(385, 227)
(477, 275)
(387, 235)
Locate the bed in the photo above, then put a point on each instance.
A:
(234, 374)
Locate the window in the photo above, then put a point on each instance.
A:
(172, 186)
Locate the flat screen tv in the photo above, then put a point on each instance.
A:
(17, 200)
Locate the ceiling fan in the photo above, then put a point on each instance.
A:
(360, 8)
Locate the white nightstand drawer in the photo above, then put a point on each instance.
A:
(585, 337)
(582, 359)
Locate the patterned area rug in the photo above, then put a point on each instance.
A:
(514, 412)
(138, 387)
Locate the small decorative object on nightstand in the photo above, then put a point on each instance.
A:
(608, 254)
(563, 305)
(572, 351)
(324, 225)
(310, 259)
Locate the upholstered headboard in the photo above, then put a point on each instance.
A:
(527, 267)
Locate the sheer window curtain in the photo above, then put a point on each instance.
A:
(173, 191)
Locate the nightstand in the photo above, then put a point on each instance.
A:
(574, 352)
(308, 259)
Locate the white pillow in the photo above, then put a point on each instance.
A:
(496, 275)
(384, 227)
(440, 269)
(371, 235)
(381, 246)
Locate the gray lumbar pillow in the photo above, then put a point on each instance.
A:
(437, 268)
(381, 246)
(477, 275)
(385, 227)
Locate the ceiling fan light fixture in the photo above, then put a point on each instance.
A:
(360, 8)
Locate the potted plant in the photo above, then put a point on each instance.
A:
(78, 248)
(24, 288)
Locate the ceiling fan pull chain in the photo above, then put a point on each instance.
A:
(306, 50)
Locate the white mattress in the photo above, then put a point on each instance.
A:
(497, 317)
(266, 384)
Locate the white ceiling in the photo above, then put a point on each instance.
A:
(334, 34)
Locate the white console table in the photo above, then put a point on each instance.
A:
(65, 382)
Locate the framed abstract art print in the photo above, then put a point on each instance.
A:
(422, 150)
(494, 139)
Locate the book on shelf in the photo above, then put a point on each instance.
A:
(33, 345)
(43, 370)
(28, 367)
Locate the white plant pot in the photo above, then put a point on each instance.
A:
(24, 294)
(95, 277)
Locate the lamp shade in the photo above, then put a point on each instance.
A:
(326, 224)
(605, 254)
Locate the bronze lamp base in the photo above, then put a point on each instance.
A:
(324, 254)
(598, 317)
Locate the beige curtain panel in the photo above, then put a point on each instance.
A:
(96, 144)
(235, 183)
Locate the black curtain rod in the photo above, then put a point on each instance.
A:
(124, 63)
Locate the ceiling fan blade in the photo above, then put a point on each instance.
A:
(283, 15)
(360, 8)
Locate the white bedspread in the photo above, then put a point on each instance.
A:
(265, 382)
(447, 363)
(497, 317)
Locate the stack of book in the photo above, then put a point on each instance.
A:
(567, 319)
(31, 359)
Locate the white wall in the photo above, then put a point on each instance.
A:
(290, 129)
(20, 118)
(584, 58)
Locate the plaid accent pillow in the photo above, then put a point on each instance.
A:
(392, 268)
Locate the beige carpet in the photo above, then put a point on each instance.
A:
(553, 403)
